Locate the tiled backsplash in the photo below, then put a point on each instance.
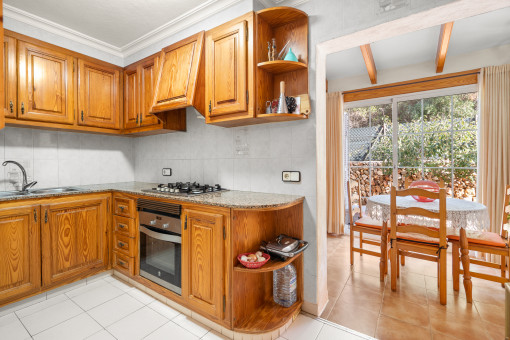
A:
(55, 158)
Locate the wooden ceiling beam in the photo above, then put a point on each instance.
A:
(369, 62)
(442, 45)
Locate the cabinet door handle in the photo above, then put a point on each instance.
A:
(82, 115)
(136, 119)
(46, 216)
(35, 215)
(11, 106)
(121, 244)
(22, 108)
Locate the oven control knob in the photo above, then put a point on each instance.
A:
(153, 222)
(165, 225)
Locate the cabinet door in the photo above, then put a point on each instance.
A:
(10, 77)
(74, 239)
(226, 69)
(98, 95)
(20, 266)
(203, 261)
(45, 84)
(147, 85)
(131, 98)
(178, 74)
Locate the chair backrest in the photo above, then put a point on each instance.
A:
(506, 212)
(439, 233)
(352, 208)
(408, 181)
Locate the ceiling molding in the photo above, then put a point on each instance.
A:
(275, 3)
(60, 30)
(180, 23)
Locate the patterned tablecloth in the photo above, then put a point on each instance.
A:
(471, 216)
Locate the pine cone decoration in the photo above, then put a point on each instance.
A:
(291, 104)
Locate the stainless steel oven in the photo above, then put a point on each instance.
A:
(160, 243)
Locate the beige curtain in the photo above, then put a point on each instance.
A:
(494, 166)
(335, 175)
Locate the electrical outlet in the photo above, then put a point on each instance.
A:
(167, 172)
(291, 176)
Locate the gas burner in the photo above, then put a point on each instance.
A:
(186, 189)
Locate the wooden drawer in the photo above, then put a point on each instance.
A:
(124, 225)
(123, 263)
(123, 206)
(125, 245)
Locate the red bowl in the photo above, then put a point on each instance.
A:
(427, 185)
(253, 265)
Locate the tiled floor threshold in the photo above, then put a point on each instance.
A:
(106, 307)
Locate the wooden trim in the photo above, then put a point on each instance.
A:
(442, 45)
(416, 85)
(366, 51)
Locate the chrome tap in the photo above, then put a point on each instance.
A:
(25, 185)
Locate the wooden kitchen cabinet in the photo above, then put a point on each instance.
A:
(229, 71)
(131, 97)
(203, 257)
(10, 77)
(98, 95)
(45, 84)
(75, 238)
(147, 71)
(20, 266)
(178, 74)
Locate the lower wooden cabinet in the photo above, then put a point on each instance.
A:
(203, 261)
(20, 262)
(75, 238)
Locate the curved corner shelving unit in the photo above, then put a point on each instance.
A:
(281, 66)
(277, 16)
(271, 265)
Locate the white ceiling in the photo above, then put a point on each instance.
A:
(116, 22)
(468, 35)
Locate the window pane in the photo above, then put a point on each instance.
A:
(359, 117)
(464, 149)
(409, 150)
(437, 114)
(382, 150)
(414, 174)
(360, 175)
(440, 175)
(381, 180)
(359, 148)
(464, 185)
(437, 149)
(409, 116)
(465, 107)
(381, 117)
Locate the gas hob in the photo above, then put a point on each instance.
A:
(185, 189)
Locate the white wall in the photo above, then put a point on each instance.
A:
(55, 158)
(487, 57)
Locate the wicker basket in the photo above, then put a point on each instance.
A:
(253, 265)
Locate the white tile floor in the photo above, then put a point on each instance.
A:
(107, 308)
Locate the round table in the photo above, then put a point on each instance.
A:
(471, 216)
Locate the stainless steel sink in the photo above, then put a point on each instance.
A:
(12, 193)
(54, 190)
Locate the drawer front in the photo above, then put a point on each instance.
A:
(123, 263)
(125, 245)
(123, 206)
(124, 225)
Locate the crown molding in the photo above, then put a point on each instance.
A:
(60, 30)
(274, 3)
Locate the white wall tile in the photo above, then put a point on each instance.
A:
(45, 144)
(18, 143)
(46, 173)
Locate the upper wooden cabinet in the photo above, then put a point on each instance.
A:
(147, 71)
(74, 238)
(131, 98)
(45, 84)
(10, 77)
(98, 95)
(177, 82)
(229, 71)
(20, 267)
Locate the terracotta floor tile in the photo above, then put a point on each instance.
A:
(493, 296)
(392, 329)
(413, 313)
(366, 281)
(455, 305)
(329, 307)
(491, 313)
(449, 323)
(354, 316)
(441, 336)
(407, 292)
(495, 332)
(364, 297)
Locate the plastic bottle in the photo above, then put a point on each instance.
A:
(285, 286)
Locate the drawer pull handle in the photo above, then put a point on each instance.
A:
(121, 244)
(121, 208)
(122, 263)
(122, 226)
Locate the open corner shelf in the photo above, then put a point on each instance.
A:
(268, 317)
(281, 117)
(282, 15)
(281, 66)
(271, 265)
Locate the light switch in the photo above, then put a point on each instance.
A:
(286, 176)
(291, 176)
(167, 172)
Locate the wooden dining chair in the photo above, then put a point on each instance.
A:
(421, 242)
(487, 243)
(367, 225)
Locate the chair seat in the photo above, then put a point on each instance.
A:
(369, 222)
(485, 238)
(415, 237)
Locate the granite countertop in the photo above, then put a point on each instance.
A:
(228, 199)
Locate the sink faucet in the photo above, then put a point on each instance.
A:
(25, 185)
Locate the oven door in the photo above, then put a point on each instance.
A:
(160, 258)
